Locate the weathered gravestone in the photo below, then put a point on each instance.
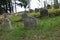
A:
(6, 23)
(29, 21)
(56, 4)
(31, 10)
(36, 10)
(43, 13)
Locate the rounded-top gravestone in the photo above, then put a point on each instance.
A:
(6, 23)
(29, 21)
(44, 13)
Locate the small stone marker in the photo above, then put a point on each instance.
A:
(6, 23)
(29, 21)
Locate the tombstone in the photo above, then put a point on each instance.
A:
(6, 23)
(31, 10)
(36, 10)
(43, 13)
(56, 5)
(29, 21)
(49, 6)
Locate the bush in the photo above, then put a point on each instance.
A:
(37, 15)
(53, 12)
(57, 12)
(50, 12)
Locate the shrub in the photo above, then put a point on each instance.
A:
(53, 12)
(37, 15)
(49, 6)
(57, 12)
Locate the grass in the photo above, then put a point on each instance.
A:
(47, 29)
(53, 10)
(15, 18)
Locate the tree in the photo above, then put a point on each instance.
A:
(25, 3)
(5, 6)
(15, 6)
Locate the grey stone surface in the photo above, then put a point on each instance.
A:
(6, 23)
(29, 21)
(43, 13)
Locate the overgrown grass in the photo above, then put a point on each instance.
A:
(53, 10)
(41, 32)
(13, 18)
(34, 14)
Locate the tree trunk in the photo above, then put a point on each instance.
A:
(15, 7)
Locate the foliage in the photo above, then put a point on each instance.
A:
(50, 11)
(15, 18)
(24, 3)
(6, 4)
(54, 12)
(34, 14)
(44, 29)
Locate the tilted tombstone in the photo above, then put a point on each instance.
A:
(29, 21)
(6, 23)
(43, 13)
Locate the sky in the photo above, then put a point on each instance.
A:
(34, 4)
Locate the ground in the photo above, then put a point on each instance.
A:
(47, 29)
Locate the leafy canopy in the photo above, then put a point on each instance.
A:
(24, 3)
